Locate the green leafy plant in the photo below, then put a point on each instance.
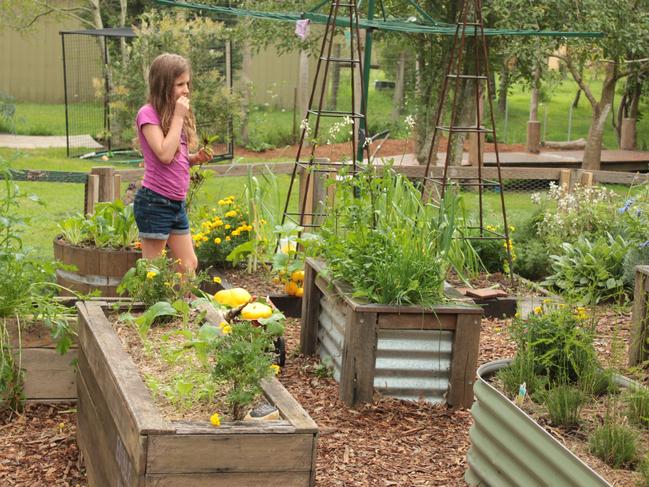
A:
(564, 403)
(590, 271)
(391, 247)
(614, 443)
(112, 225)
(155, 280)
(242, 359)
(12, 378)
(560, 342)
(197, 178)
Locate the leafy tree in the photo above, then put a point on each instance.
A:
(622, 52)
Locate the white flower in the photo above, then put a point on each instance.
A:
(410, 122)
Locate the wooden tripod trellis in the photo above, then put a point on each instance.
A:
(461, 68)
(310, 210)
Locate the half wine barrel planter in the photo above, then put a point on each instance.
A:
(126, 442)
(48, 375)
(96, 269)
(407, 352)
(508, 448)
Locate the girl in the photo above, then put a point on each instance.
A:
(166, 128)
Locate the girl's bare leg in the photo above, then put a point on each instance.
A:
(182, 248)
(152, 248)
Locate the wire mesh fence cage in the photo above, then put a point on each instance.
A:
(92, 65)
(86, 79)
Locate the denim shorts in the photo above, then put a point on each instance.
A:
(158, 216)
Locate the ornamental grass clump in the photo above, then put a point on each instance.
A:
(391, 247)
(564, 403)
(615, 443)
(637, 405)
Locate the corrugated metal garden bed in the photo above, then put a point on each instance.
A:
(407, 352)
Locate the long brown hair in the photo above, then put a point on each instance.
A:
(164, 71)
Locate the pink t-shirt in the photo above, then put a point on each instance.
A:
(170, 180)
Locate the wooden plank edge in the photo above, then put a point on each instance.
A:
(288, 406)
(123, 370)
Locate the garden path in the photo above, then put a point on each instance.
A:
(46, 141)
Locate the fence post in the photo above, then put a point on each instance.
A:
(564, 179)
(106, 176)
(586, 178)
(117, 183)
(639, 348)
(92, 193)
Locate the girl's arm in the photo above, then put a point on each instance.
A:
(166, 146)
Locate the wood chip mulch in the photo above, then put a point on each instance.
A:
(38, 447)
(388, 443)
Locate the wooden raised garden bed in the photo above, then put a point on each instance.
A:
(48, 375)
(403, 351)
(96, 269)
(126, 441)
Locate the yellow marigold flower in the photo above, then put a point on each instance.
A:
(151, 274)
(230, 214)
(204, 239)
(217, 240)
(228, 238)
(236, 233)
(249, 228)
(227, 329)
(275, 368)
(222, 324)
(179, 275)
(217, 279)
(222, 202)
(164, 252)
(215, 419)
(263, 222)
(218, 223)
(538, 310)
(197, 237)
(228, 227)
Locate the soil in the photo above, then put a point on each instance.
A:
(388, 443)
(159, 373)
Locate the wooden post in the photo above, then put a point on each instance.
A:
(586, 178)
(303, 85)
(564, 179)
(359, 359)
(627, 134)
(639, 346)
(106, 182)
(117, 185)
(533, 136)
(310, 312)
(92, 193)
(466, 343)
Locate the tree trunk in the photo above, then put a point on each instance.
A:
(246, 68)
(534, 97)
(466, 116)
(399, 87)
(123, 10)
(593, 151)
(335, 78)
